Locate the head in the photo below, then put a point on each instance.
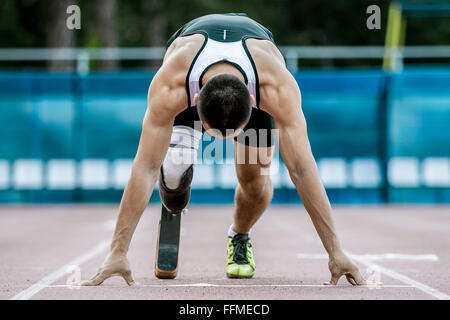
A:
(224, 104)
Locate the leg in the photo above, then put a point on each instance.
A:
(174, 189)
(255, 190)
(253, 195)
(253, 155)
(178, 168)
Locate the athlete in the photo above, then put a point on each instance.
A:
(225, 72)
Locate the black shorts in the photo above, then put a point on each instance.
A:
(257, 133)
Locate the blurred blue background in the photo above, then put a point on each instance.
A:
(377, 137)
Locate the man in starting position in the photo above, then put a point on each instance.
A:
(225, 71)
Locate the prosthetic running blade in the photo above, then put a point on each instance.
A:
(166, 266)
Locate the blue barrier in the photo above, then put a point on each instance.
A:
(66, 137)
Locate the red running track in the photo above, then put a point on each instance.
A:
(407, 248)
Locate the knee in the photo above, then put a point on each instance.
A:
(255, 184)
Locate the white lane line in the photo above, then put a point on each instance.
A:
(312, 256)
(395, 275)
(397, 256)
(51, 278)
(202, 285)
(376, 257)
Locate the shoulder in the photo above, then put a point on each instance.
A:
(178, 59)
(167, 93)
(269, 63)
(278, 89)
(185, 46)
(266, 56)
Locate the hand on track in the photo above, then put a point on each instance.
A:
(340, 265)
(113, 266)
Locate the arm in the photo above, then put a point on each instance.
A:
(296, 152)
(153, 145)
(152, 148)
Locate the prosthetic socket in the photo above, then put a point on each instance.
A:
(177, 169)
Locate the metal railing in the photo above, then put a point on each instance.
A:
(291, 53)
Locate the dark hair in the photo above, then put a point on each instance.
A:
(224, 103)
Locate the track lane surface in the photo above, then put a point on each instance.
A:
(36, 241)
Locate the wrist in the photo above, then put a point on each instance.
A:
(117, 249)
(335, 250)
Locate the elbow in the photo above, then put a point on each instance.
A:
(298, 173)
(145, 171)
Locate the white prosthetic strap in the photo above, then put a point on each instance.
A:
(182, 153)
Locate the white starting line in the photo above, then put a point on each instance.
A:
(204, 285)
(47, 281)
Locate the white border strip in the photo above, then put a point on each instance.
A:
(51, 278)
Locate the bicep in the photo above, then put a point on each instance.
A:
(157, 125)
(154, 142)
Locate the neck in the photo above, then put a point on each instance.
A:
(222, 68)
